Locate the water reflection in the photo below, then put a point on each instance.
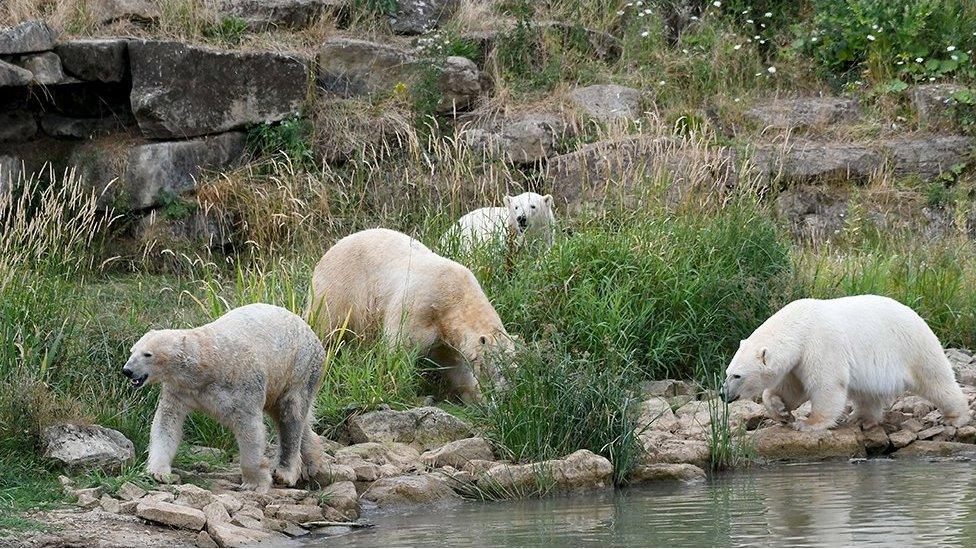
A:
(874, 503)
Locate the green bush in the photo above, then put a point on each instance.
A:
(907, 39)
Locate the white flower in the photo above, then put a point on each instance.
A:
(640, 14)
(951, 48)
(736, 100)
(717, 4)
(756, 37)
(813, 39)
(900, 63)
(954, 57)
(768, 14)
(931, 79)
(684, 51)
(645, 34)
(771, 70)
(762, 41)
(621, 12)
(737, 47)
(648, 11)
(871, 38)
(660, 83)
(750, 21)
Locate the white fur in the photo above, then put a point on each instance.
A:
(528, 216)
(868, 348)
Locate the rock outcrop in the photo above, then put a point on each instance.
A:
(87, 447)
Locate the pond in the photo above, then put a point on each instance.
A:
(867, 503)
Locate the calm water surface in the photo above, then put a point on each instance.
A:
(873, 503)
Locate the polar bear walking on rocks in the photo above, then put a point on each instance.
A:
(526, 217)
(380, 282)
(253, 359)
(867, 348)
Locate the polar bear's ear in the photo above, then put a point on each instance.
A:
(762, 356)
(548, 199)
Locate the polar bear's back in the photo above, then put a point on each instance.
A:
(479, 226)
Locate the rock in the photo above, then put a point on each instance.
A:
(615, 171)
(27, 37)
(87, 447)
(228, 535)
(804, 112)
(264, 15)
(966, 434)
(810, 161)
(294, 494)
(653, 472)
(934, 448)
(421, 16)
(666, 388)
(581, 469)
(216, 513)
(230, 502)
(656, 414)
(334, 472)
(403, 457)
(341, 495)
(17, 126)
(745, 414)
(913, 425)
(933, 102)
(130, 492)
(913, 405)
(813, 212)
(88, 498)
(876, 440)
(299, 513)
(928, 156)
(522, 140)
(78, 128)
(783, 443)
(110, 11)
(459, 83)
(194, 496)
(10, 169)
(458, 453)
(931, 432)
(95, 60)
(45, 68)
(424, 428)
(204, 539)
(177, 516)
(663, 447)
(12, 75)
(607, 102)
(252, 88)
(407, 489)
(150, 173)
(129, 507)
(110, 504)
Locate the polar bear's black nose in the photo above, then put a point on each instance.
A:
(522, 221)
(127, 372)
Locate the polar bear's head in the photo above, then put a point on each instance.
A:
(153, 358)
(751, 371)
(530, 211)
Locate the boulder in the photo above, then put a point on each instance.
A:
(95, 60)
(27, 37)
(803, 112)
(934, 102)
(913, 405)
(216, 513)
(194, 496)
(653, 472)
(664, 447)
(607, 102)
(170, 514)
(421, 16)
(783, 443)
(341, 495)
(745, 415)
(229, 535)
(87, 447)
(459, 83)
(935, 448)
(963, 364)
(17, 126)
(810, 161)
(656, 415)
(460, 452)
(928, 156)
(110, 11)
(184, 91)
(264, 15)
(130, 492)
(12, 75)
(667, 388)
(110, 504)
(45, 67)
(409, 489)
(876, 440)
(580, 470)
(525, 139)
(78, 128)
(424, 428)
(812, 212)
(147, 174)
(403, 457)
(299, 513)
(88, 498)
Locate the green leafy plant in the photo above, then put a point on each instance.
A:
(229, 30)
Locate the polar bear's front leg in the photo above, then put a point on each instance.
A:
(775, 407)
(250, 434)
(825, 408)
(165, 435)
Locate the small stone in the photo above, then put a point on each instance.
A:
(130, 492)
(247, 521)
(129, 507)
(876, 440)
(294, 494)
(215, 512)
(110, 504)
(46, 68)
(66, 482)
(194, 496)
(341, 495)
(178, 516)
(88, 498)
(228, 535)
(299, 513)
(913, 425)
(230, 502)
(158, 495)
(966, 434)
(294, 531)
(204, 539)
(903, 438)
(930, 432)
(271, 509)
(607, 103)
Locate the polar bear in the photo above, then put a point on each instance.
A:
(254, 358)
(525, 218)
(380, 282)
(868, 348)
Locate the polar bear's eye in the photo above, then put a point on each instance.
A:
(147, 355)
(736, 376)
(533, 206)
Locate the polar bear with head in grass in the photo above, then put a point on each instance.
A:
(867, 348)
(524, 218)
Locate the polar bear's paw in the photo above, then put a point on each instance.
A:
(287, 476)
(806, 426)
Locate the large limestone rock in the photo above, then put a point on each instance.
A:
(263, 15)
(184, 91)
(12, 75)
(525, 139)
(138, 11)
(45, 67)
(420, 16)
(424, 428)
(653, 472)
(804, 112)
(402, 456)
(142, 175)
(407, 489)
(607, 102)
(963, 364)
(87, 447)
(783, 443)
(459, 453)
(171, 514)
(95, 60)
(665, 447)
(17, 126)
(934, 102)
(927, 155)
(809, 161)
(580, 470)
(27, 37)
(229, 535)
(656, 415)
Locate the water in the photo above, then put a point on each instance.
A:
(873, 503)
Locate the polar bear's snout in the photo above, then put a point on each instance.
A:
(135, 373)
(731, 388)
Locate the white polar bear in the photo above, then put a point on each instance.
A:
(254, 358)
(869, 348)
(380, 282)
(526, 217)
